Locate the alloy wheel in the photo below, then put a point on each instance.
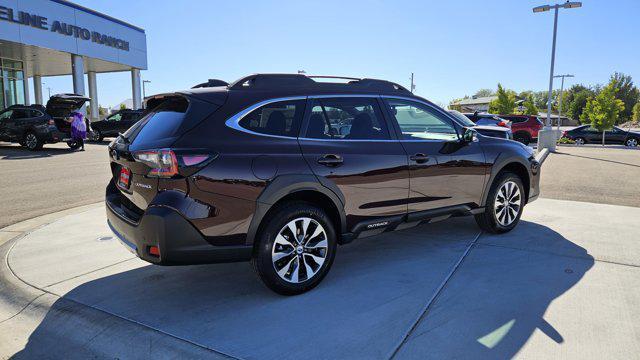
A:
(632, 142)
(579, 141)
(31, 141)
(507, 203)
(299, 250)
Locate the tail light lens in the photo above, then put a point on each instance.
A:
(502, 123)
(564, 134)
(165, 163)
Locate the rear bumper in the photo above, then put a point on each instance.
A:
(51, 134)
(179, 242)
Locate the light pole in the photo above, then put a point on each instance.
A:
(561, 93)
(546, 137)
(144, 92)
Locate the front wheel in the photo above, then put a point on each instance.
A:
(96, 136)
(504, 205)
(31, 141)
(580, 141)
(74, 145)
(295, 248)
(631, 142)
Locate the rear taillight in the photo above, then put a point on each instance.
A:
(163, 163)
(166, 163)
(502, 123)
(564, 134)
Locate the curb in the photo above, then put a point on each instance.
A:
(24, 227)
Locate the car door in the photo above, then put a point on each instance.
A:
(347, 144)
(615, 136)
(444, 171)
(19, 124)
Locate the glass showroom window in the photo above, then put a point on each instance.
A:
(11, 83)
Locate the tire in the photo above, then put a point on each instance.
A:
(632, 142)
(495, 221)
(524, 138)
(73, 145)
(97, 136)
(580, 141)
(31, 141)
(276, 260)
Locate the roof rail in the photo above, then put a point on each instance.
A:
(262, 81)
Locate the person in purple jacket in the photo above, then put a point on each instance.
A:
(78, 128)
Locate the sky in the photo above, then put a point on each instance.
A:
(454, 48)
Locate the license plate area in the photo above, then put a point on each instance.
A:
(124, 179)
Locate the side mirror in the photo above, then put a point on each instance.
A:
(469, 135)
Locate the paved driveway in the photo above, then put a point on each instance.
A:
(560, 285)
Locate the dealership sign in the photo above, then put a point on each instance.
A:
(60, 27)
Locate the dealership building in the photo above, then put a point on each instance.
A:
(40, 38)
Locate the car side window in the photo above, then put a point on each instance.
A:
(35, 113)
(20, 114)
(357, 118)
(281, 118)
(421, 122)
(6, 115)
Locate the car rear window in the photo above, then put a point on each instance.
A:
(159, 124)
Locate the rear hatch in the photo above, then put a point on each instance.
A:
(59, 106)
(142, 157)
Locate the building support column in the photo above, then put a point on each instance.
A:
(25, 81)
(77, 73)
(93, 94)
(135, 87)
(37, 89)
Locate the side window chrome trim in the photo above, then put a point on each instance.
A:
(234, 121)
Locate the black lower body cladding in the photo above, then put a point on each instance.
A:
(177, 240)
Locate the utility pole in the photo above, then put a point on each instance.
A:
(144, 92)
(561, 92)
(413, 86)
(546, 137)
(49, 91)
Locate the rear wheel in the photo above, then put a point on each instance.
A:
(295, 249)
(631, 142)
(580, 141)
(31, 141)
(504, 205)
(74, 145)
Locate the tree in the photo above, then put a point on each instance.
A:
(603, 109)
(505, 103)
(484, 93)
(577, 103)
(625, 91)
(530, 107)
(636, 112)
(123, 106)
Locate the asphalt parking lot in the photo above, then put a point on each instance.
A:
(564, 283)
(35, 183)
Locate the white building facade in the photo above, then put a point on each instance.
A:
(40, 38)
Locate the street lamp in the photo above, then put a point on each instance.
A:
(144, 92)
(561, 93)
(547, 137)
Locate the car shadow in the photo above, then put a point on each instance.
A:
(17, 152)
(597, 159)
(370, 301)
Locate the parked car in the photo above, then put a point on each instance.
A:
(493, 131)
(484, 119)
(35, 125)
(586, 134)
(524, 127)
(255, 171)
(115, 123)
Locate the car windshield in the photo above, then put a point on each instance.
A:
(463, 119)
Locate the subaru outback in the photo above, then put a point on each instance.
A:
(280, 169)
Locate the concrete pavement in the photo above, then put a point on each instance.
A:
(564, 283)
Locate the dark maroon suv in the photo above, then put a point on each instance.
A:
(280, 169)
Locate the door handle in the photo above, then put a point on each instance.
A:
(330, 160)
(419, 158)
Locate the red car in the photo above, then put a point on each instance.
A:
(524, 127)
